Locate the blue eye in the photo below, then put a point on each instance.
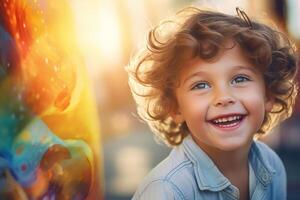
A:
(240, 79)
(200, 85)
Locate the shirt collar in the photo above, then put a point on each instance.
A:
(207, 175)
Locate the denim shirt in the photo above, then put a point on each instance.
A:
(188, 173)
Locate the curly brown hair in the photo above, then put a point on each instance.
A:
(154, 71)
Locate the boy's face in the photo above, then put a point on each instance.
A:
(222, 102)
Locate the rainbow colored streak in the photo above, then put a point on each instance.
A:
(49, 129)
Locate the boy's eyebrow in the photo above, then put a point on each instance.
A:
(240, 67)
(198, 73)
(251, 68)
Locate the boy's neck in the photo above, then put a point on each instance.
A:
(231, 161)
(228, 161)
(234, 165)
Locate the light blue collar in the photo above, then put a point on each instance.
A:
(209, 177)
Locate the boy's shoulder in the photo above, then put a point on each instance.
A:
(266, 153)
(270, 170)
(170, 167)
(169, 176)
(268, 157)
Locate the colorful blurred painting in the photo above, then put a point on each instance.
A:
(49, 131)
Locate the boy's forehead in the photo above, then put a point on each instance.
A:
(232, 54)
(226, 44)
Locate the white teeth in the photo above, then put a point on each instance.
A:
(231, 118)
(228, 125)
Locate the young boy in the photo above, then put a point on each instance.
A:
(208, 86)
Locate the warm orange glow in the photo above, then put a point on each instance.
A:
(48, 82)
(98, 31)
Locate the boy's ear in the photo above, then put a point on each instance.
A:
(177, 115)
(269, 103)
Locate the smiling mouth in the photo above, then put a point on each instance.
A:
(228, 122)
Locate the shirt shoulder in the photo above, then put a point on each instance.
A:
(269, 156)
(157, 189)
(272, 162)
(169, 179)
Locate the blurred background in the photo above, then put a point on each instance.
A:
(109, 33)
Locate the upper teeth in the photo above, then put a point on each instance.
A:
(226, 119)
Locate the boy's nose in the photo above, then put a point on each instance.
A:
(224, 101)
